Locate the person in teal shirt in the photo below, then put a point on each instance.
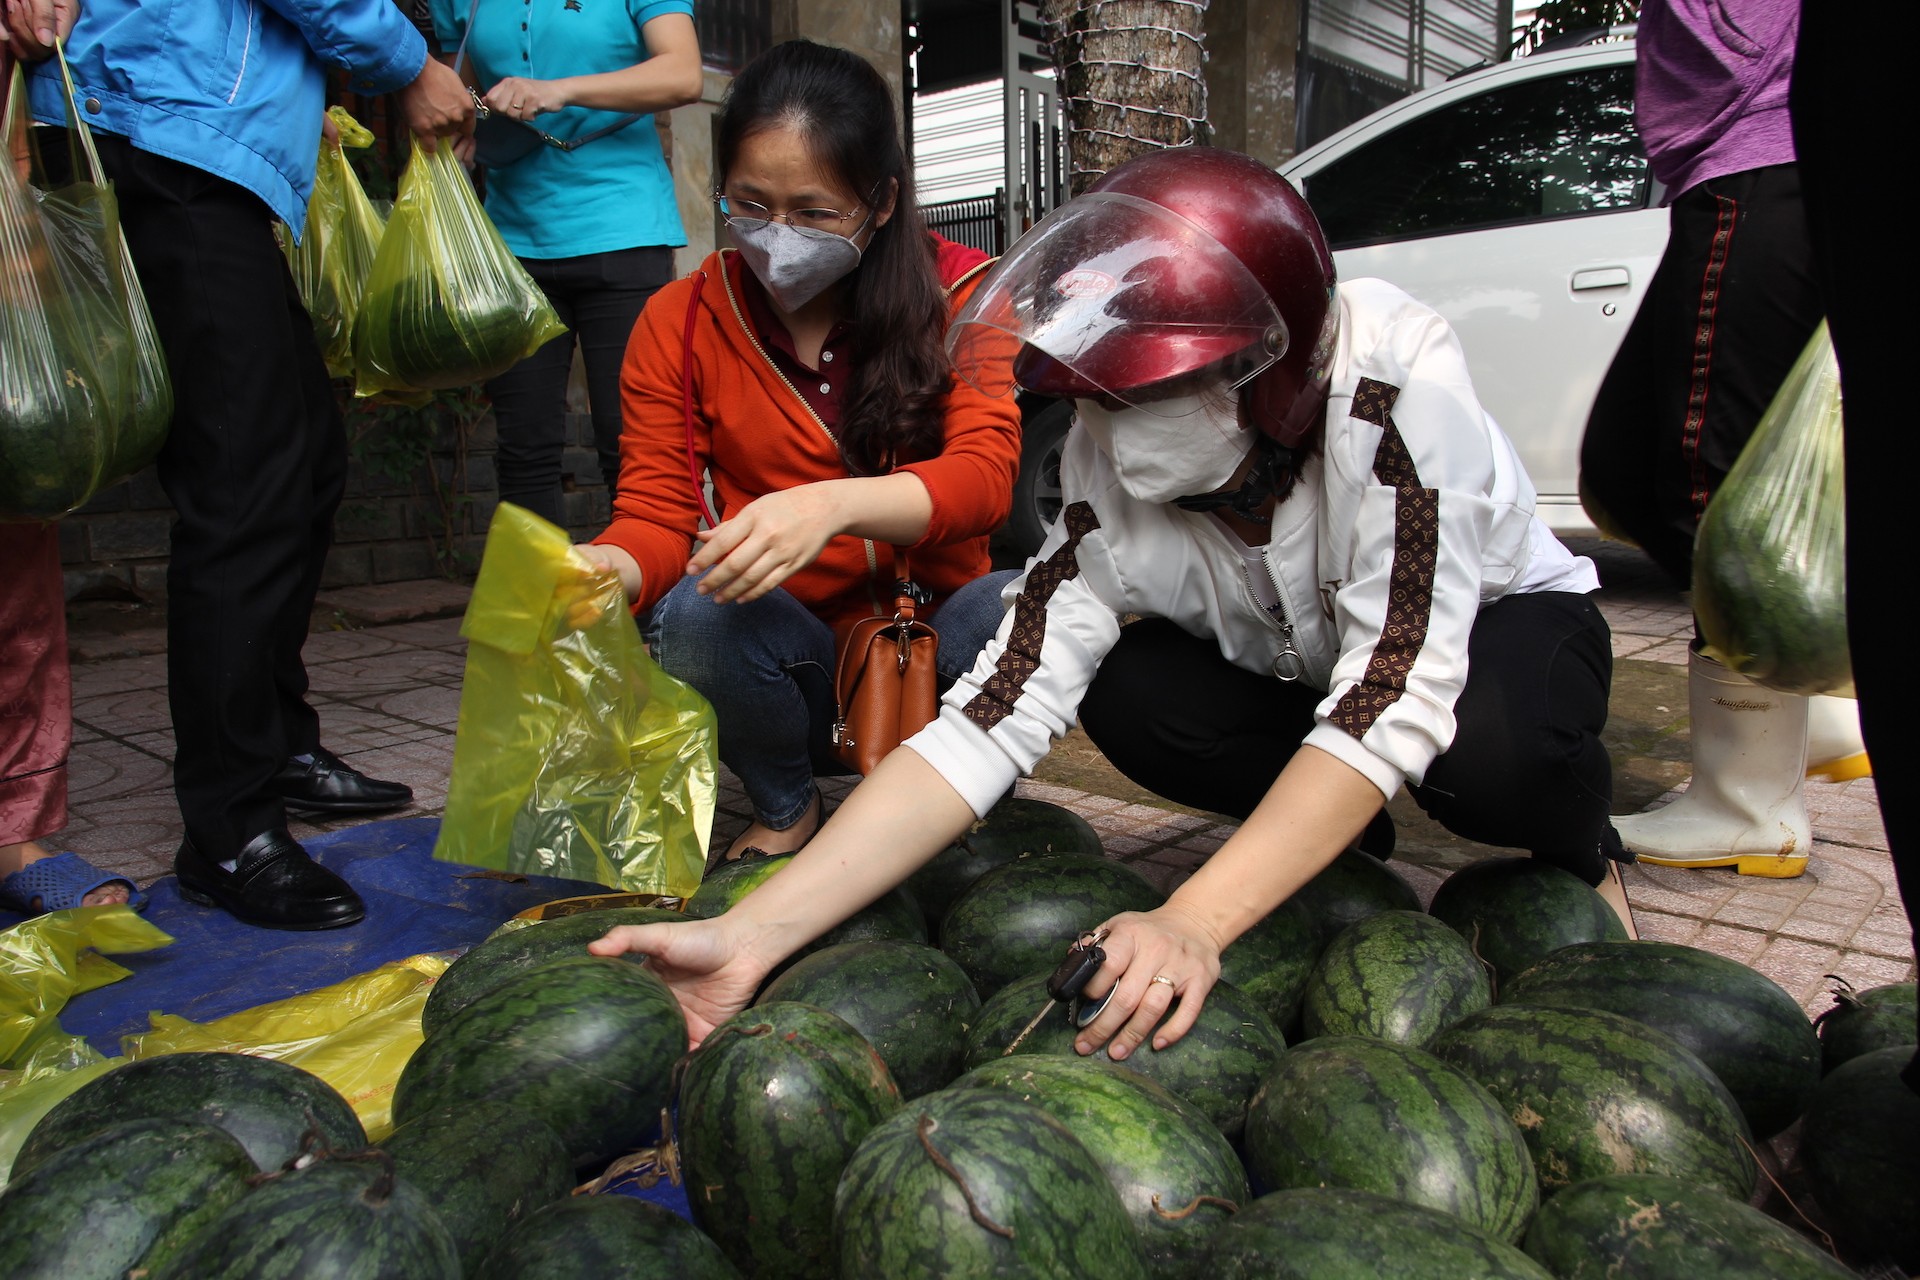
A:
(594, 224)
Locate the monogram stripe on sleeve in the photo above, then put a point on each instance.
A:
(1416, 549)
(1021, 658)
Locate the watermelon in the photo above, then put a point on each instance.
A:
(729, 882)
(895, 915)
(1012, 829)
(1740, 1023)
(269, 1106)
(1344, 1111)
(586, 1045)
(975, 1183)
(771, 1108)
(1515, 912)
(505, 954)
(1216, 1066)
(912, 1003)
(1399, 975)
(453, 1156)
(1176, 1174)
(1595, 1093)
(594, 1237)
(1337, 1233)
(1024, 916)
(1862, 1021)
(1860, 1146)
(1640, 1226)
(1354, 886)
(344, 1218)
(1272, 961)
(126, 1198)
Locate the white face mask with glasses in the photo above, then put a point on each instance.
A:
(797, 255)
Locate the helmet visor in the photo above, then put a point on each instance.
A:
(1114, 295)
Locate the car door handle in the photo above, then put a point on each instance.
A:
(1601, 278)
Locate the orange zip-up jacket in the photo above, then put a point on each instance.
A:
(757, 436)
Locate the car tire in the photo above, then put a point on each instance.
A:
(1036, 493)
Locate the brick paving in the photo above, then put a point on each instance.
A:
(389, 695)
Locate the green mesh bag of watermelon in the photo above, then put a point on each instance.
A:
(1769, 561)
(335, 253)
(446, 304)
(84, 395)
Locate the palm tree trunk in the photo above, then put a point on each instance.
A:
(1132, 76)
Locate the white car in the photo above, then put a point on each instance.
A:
(1515, 201)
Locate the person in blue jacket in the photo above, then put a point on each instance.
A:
(207, 115)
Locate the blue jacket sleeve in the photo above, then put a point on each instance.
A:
(370, 39)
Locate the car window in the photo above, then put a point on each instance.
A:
(1550, 147)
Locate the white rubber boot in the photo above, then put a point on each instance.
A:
(1835, 750)
(1743, 808)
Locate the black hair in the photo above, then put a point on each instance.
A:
(844, 108)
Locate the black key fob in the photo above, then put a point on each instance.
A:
(1082, 962)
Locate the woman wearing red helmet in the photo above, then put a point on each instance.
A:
(1339, 586)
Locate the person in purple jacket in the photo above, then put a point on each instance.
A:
(1732, 304)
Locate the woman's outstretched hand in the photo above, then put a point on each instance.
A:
(1153, 957)
(707, 965)
(765, 543)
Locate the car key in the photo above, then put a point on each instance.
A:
(1084, 959)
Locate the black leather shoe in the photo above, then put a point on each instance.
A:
(272, 884)
(324, 783)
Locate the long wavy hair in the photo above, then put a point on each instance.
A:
(897, 310)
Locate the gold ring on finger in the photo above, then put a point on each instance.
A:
(1161, 977)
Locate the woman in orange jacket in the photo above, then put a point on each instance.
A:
(804, 373)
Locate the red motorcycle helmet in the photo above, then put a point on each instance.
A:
(1179, 266)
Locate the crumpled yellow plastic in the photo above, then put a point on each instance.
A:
(49, 959)
(356, 1035)
(335, 254)
(575, 755)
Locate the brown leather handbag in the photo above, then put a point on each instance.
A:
(884, 678)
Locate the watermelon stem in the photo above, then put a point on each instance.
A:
(1176, 1215)
(1767, 1173)
(650, 1163)
(1493, 975)
(927, 1125)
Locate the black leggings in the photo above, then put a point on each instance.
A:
(1526, 769)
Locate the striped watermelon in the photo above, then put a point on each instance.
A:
(1354, 886)
(586, 1045)
(1272, 961)
(1740, 1023)
(1595, 1093)
(1640, 1226)
(453, 1157)
(345, 1218)
(894, 915)
(912, 1003)
(1176, 1174)
(1515, 912)
(268, 1105)
(968, 1184)
(771, 1108)
(597, 1237)
(1335, 1233)
(127, 1198)
(1013, 829)
(1024, 916)
(1860, 1146)
(1375, 1116)
(1862, 1021)
(1398, 975)
(1216, 1066)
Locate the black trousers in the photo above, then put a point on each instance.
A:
(1728, 310)
(1526, 770)
(1853, 251)
(254, 464)
(598, 296)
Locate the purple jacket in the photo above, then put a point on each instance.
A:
(1711, 97)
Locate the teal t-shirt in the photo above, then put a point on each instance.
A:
(613, 193)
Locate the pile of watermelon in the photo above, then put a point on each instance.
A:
(1502, 1086)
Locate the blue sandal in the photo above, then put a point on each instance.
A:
(60, 882)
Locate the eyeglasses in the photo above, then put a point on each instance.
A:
(748, 216)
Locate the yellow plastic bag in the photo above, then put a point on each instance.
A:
(84, 395)
(1770, 559)
(356, 1035)
(447, 304)
(576, 755)
(49, 959)
(335, 256)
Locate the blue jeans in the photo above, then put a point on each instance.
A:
(767, 668)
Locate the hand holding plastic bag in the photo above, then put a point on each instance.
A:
(576, 755)
(447, 303)
(1770, 559)
(335, 255)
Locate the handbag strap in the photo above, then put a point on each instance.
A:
(571, 144)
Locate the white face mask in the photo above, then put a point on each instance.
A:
(797, 264)
(1181, 448)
